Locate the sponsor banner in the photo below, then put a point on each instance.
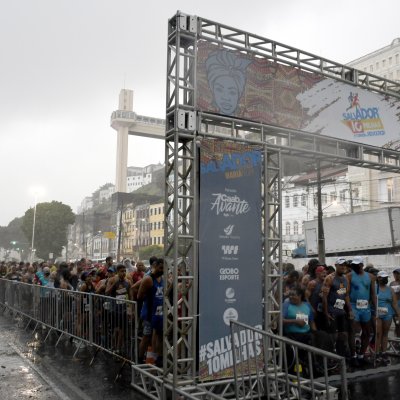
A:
(239, 85)
(230, 254)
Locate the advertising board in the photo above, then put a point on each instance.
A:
(230, 255)
(254, 88)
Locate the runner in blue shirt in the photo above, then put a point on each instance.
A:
(387, 308)
(362, 295)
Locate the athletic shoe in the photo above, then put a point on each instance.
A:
(386, 359)
(354, 362)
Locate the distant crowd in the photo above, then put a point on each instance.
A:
(123, 281)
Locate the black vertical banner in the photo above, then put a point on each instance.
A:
(230, 253)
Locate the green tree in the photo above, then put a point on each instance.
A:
(52, 220)
(153, 250)
(11, 236)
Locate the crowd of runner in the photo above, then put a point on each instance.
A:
(347, 309)
(123, 281)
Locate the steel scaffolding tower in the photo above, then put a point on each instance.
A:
(186, 126)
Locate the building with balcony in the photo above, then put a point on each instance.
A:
(384, 62)
(156, 221)
(128, 232)
(339, 195)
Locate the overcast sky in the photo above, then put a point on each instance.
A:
(63, 63)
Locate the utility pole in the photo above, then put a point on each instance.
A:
(321, 236)
(351, 197)
(83, 233)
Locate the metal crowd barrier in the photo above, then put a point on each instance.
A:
(267, 366)
(104, 322)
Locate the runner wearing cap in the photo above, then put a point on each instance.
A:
(395, 285)
(362, 294)
(387, 308)
(336, 303)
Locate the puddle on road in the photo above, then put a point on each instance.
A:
(386, 387)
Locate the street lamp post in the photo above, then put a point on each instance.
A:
(101, 244)
(33, 230)
(321, 235)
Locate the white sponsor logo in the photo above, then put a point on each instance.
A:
(230, 249)
(229, 205)
(230, 296)
(230, 314)
(229, 274)
(229, 229)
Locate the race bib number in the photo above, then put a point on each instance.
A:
(383, 310)
(303, 317)
(339, 304)
(396, 288)
(362, 304)
(120, 298)
(159, 311)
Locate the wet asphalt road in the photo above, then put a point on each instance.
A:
(31, 369)
(385, 387)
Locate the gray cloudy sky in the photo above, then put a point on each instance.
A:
(63, 63)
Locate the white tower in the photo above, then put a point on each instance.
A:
(126, 122)
(122, 127)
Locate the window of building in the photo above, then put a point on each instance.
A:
(390, 75)
(324, 198)
(151, 211)
(287, 201)
(398, 74)
(390, 61)
(390, 189)
(371, 68)
(383, 63)
(356, 195)
(296, 228)
(303, 199)
(315, 198)
(287, 228)
(377, 66)
(397, 59)
(332, 197)
(295, 201)
(342, 196)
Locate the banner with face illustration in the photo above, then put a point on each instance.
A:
(230, 255)
(238, 85)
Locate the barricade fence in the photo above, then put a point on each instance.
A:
(106, 323)
(266, 366)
